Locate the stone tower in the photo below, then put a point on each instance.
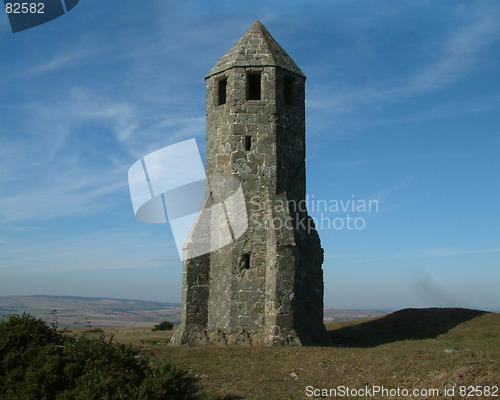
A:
(266, 287)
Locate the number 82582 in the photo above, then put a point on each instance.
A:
(24, 8)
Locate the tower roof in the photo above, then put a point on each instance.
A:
(256, 48)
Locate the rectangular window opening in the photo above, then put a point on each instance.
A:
(245, 261)
(248, 143)
(288, 90)
(222, 91)
(253, 85)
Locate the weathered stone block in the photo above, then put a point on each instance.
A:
(238, 129)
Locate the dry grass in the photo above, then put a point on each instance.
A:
(391, 360)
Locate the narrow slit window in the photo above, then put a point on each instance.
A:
(253, 81)
(222, 91)
(245, 261)
(288, 90)
(248, 143)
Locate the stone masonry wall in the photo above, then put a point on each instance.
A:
(267, 286)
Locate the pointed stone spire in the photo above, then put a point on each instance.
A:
(256, 48)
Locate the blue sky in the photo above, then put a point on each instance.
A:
(402, 107)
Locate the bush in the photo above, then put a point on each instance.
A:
(163, 326)
(37, 362)
(94, 330)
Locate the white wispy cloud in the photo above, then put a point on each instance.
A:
(57, 63)
(435, 252)
(48, 65)
(27, 228)
(458, 54)
(450, 251)
(45, 173)
(96, 250)
(382, 195)
(452, 58)
(75, 192)
(49, 156)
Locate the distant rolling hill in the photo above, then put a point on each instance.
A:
(75, 312)
(337, 314)
(94, 311)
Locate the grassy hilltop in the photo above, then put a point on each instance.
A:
(412, 349)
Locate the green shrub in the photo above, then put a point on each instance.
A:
(94, 330)
(37, 362)
(163, 326)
